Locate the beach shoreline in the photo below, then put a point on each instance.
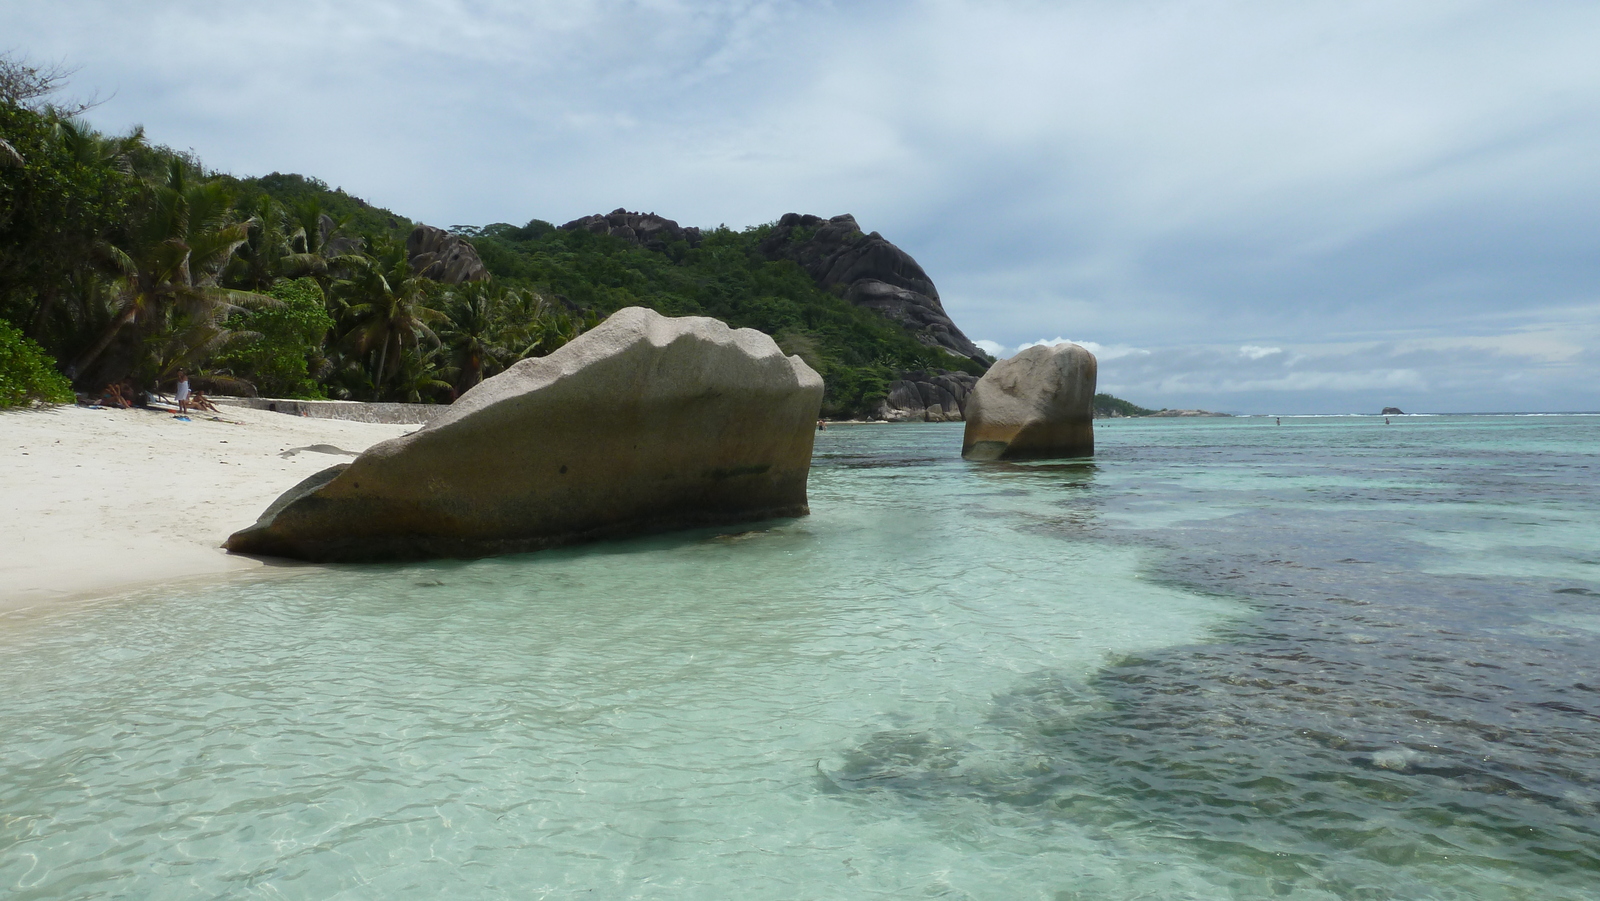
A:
(99, 502)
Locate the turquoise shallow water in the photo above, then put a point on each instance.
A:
(1225, 659)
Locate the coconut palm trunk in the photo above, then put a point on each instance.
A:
(378, 376)
(92, 353)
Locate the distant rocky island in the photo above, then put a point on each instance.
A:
(1108, 407)
(1173, 414)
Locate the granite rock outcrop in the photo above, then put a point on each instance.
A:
(647, 230)
(641, 424)
(927, 397)
(869, 271)
(1037, 404)
(443, 257)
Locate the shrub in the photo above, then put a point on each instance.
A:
(278, 343)
(27, 373)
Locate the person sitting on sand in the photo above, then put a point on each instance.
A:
(199, 401)
(113, 397)
(183, 393)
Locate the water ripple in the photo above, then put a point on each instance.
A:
(1220, 661)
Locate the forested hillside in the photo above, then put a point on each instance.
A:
(123, 261)
(725, 275)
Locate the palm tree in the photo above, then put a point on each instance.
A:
(188, 336)
(549, 330)
(318, 245)
(468, 330)
(386, 304)
(87, 150)
(261, 259)
(417, 380)
(177, 246)
(88, 147)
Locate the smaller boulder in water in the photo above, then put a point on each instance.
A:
(1037, 404)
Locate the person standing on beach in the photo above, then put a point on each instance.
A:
(183, 393)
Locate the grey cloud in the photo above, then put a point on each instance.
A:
(1513, 371)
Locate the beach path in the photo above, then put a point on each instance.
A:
(93, 502)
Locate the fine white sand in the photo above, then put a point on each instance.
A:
(93, 502)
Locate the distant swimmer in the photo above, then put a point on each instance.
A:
(1280, 420)
(1385, 420)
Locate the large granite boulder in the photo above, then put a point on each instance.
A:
(1037, 404)
(443, 257)
(642, 424)
(869, 271)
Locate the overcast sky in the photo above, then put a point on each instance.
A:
(1254, 207)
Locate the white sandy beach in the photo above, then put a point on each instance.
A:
(96, 501)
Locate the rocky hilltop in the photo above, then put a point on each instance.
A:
(647, 230)
(869, 271)
(864, 268)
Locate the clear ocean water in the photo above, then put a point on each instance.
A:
(1331, 659)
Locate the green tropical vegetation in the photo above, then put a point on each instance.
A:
(280, 344)
(857, 352)
(124, 261)
(27, 374)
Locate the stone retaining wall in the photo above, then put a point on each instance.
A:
(397, 414)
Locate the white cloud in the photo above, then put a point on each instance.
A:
(1101, 352)
(1252, 352)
